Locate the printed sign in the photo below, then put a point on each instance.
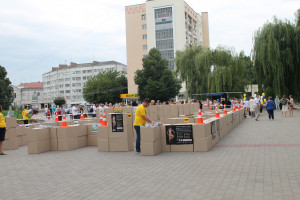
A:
(118, 110)
(95, 128)
(75, 122)
(117, 123)
(26, 126)
(129, 115)
(213, 130)
(179, 134)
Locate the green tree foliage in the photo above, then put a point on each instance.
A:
(6, 90)
(277, 57)
(156, 81)
(59, 101)
(219, 70)
(105, 87)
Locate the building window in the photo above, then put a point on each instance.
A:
(145, 47)
(144, 26)
(15, 95)
(145, 37)
(144, 56)
(143, 17)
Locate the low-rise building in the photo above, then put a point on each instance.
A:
(68, 80)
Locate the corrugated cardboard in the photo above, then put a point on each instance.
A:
(119, 144)
(128, 132)
(39, 146)
(202, 144)
(150, 134)
(186, 109)
(182, 148)
(21, 130)
(11, 122)
(39, 134)
(103, 132)
(92, 140)
(11, 133)
(150, 148)
(174, 111)
(24, 139)
(53, 144)
(127, 109)
(82, 141)
(67, 144)
(19, 140)
(167, 111)
(10, 144)
(164, 146)
(108, 110)
(202, 130)
(103, 145)
(67, 132)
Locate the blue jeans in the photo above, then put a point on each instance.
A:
(271, 114)
(138, 138)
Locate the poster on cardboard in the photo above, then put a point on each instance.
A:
(117, 123)
(118, 110)
(179, 134)
(95, 128)
(213, 130)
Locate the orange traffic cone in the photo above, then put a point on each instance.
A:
(64, 122)
(199, 112)
(56, 118)
(104, 122)
(200, 120)
(217, 115)
(81, 117)
(233, 110)
(225, 111)
(101, 118)
(209, 108)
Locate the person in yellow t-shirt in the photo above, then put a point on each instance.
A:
(2, 131)
(25, 115)
(140, 120)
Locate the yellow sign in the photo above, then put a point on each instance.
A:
(204, 106)
(129, 96)
(186, 120)
(129, 115)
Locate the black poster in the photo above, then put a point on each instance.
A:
(179, 134)
(213, 130)
(117, 123)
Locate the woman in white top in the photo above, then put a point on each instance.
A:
(251, 106)
(247, 106)
(291, 104)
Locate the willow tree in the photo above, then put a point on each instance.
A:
(276, 58)
(206, 70)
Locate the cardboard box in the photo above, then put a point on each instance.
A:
(108, 110)
(215, 141)
(53, 144)
(82, 130)
(68, 123)
(182, 148)
(11, 133)
(120, 144)
(19, 140)
(103, 145)
(10, 144)
(39, 134)
(67, 144)
(167, 111)
(39, 146)
(150, 134)
(164, 146)
(186, 109)
(11, 122)
(174, 111)
(201, 130)
(186, 120)
(150, 148)
(50, 124)
(21, 130)
(128, 132)
(103, 132)
(24, 139)
(202, 144)
(127, 109)
(68, 132)
(82, 141)
(92, 140)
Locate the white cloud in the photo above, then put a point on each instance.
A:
(37, 34)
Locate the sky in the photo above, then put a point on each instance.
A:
(36, 35)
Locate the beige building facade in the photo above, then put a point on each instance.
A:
(168, 25)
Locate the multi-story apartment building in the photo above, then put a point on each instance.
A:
(168, 25)
(68, 80)
(30, 94)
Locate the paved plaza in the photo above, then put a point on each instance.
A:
(256, 160)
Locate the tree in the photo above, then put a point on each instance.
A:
(6, 90)
(105, 87)
(277, 57)
(219, 70)
(156, 81)
(59, 101)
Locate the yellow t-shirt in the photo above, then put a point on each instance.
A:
(2, 121)
(24, 114)
(139, 121)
